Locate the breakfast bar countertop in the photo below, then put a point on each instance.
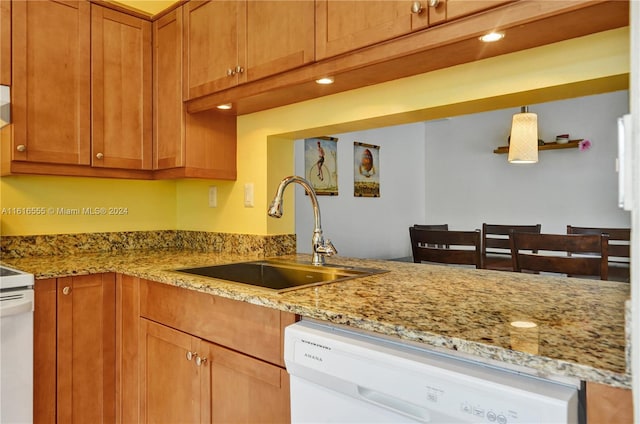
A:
(580, 329)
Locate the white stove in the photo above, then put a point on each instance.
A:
(16, 345)
(11, 278)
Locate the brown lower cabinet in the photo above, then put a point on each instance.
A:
(199, 358)
(118, 349)
(187, 379)
(608, 405)
(74, 356)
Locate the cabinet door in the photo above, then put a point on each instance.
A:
(288, 41)
(201, 144)
(245, 389)
(121, 90)
(168, 113)
(607, 404)
(212, 43)
(44, 352)
(459, 8)
(86, 349)
(51, 81)
(345, 25)
(127, 352)
(169, 381)
(5, 42)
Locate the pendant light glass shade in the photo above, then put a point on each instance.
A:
(523, 143)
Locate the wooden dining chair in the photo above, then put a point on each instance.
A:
(619, 249)
(583, 255)
(496, 250)
(432, 227)
(446, 246)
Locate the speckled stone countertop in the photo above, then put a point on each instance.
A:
(580, 329)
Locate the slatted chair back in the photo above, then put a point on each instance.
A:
(619, 249)
(432, 227)
(576, 255)
(446, 246)
(496, 249)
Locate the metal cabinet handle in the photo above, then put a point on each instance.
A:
(66, 290)
(231, 72)
(21, 148)
(416, 6)
(99, 156)
(191, 355)
(239, 69)
(200, 361)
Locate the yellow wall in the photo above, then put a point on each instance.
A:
(588, 65)
(54, 205)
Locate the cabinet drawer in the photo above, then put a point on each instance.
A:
(254, 330)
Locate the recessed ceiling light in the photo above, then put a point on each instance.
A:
(325, 80)
(492, 36)
(225, 106)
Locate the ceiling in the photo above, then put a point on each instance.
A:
(150, 7)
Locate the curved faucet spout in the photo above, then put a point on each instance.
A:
(320, 247)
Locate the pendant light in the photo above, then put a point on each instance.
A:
(523, 142)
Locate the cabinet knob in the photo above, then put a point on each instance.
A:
(416, 6)
(191, 355)
(99, 156)
(200, 361)
(231, 72)
(66, 290)
(239, 69)
(21, 147)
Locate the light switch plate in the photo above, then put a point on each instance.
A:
(213, 196)
(248, 195)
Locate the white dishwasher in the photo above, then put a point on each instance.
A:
(344, 376)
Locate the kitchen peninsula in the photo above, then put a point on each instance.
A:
(580, 323)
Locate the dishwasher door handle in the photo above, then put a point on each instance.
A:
(16, 308)
(397, 405)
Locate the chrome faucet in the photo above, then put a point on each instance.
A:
(321, 247)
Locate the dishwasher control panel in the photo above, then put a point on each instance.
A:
(354, 372)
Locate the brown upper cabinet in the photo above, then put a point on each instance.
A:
(459, 8)
(51, 81)
(229, 43)
(5, 42)
(343, 26)
(185, 145)
(121, 90)
(81, 89)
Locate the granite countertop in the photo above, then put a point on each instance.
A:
(580, 329)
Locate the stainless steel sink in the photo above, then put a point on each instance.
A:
(280, 276)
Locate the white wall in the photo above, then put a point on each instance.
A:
(369, 227)
(445, 171)
(467, 184)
